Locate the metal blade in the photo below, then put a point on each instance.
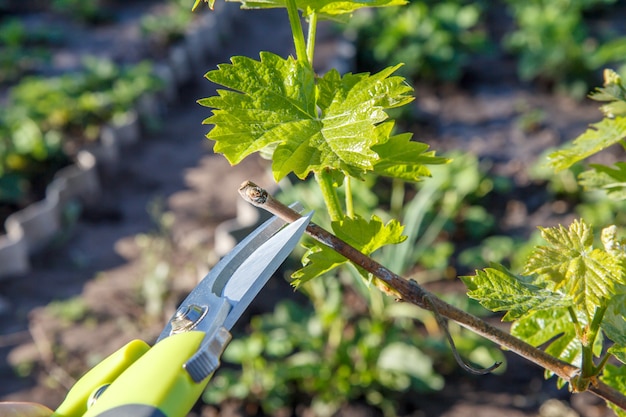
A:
(256, 270)
(212, 285)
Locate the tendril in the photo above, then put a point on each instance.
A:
(443, 324)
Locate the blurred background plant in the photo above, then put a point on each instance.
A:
(563, 43)
(23, 50)
(166, 266)
(78, 104)
(28, 158)
(167, 24)
(90, 12)
(556, 41)
(46, 118)
(350, 345)
(433, 39)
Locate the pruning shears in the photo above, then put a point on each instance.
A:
(167, 379)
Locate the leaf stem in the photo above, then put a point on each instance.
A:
(589, 368)
(397, 197)
(349, 200)
(296, 30)
(310, 41)
(329, 193)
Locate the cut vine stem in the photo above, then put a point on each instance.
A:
(410, 291)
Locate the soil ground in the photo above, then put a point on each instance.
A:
(99, 261)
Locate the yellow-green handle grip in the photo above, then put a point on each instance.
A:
(107, 371)
(156, 384)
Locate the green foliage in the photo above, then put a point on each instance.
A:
(553, 41)
(79, 103)
(611, 130)
(23, 50)
(70, 311)
(43, 114)
(438, 206)
(308, 125)
(498, 289)
(333, 354)
(91, 12)
(366, 236)
(169, 25)
(161, 259)
(585, 274)
(332, 126)
(570, 295)
(26, 153)
(434, 39)
(335, 128)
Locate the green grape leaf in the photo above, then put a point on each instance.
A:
(324, 8)
(366, 236)
(275, 106)
(615, 376)
(614, 320)
(554, 326)
(402, 158)
(498, 289)
(586, 274)
(619, 351)
(601, 135)
(610, 179)
(613, 92)
(265, 98)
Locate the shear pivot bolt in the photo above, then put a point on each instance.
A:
(187, 317)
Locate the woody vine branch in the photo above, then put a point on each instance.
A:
(410, 291)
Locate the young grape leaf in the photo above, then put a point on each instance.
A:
(324, 8)
(613, 92)
(498, 289)
(601, 135)
(402, 158)
(274, 105)
(614, 320)
(264, 97)
(350, 107)
(619, 352)
(611, 180)
(366, 236)
(554, 326)
(586, 274)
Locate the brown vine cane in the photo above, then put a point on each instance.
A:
(410, 291)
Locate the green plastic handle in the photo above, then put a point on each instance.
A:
(157, 381)
(107, 371)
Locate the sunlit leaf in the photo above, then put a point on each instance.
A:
(599, 136)
(366, 236)
(554, 326)
(498, 289)
(619, 352)
(586, 274)
(614, 321)
(610, 179)
(400, 157)
(306, 124)
(613, 92)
